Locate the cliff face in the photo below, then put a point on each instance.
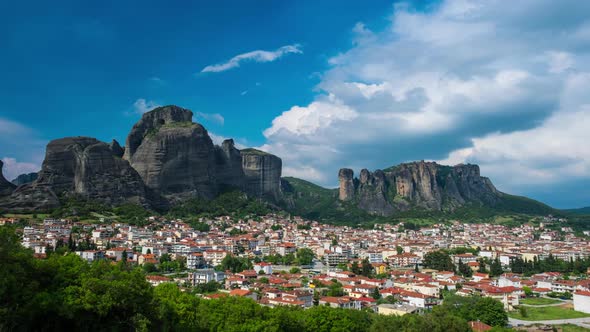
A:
(263, 173)
(346, 181)
(167, 158)
(424, 185)
(82, 166)
(228, 166)
(172, 155)
(6, 188)
(177, 158)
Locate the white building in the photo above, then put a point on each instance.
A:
(582, 301)
(205, 275)
(263, 266)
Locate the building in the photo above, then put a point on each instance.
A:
(195, 260)
(265, 267)
(582, 301)
(398, 309)
(342, 302)
(204, 276)
(91, 255)
(333, 259)
(214, 257)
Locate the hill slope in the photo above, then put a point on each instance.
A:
(580, 211)
(311, 201)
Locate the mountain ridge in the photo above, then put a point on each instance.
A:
(168, 159)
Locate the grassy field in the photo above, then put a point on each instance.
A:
(538, 301)
(27, 216)
(548, 313)
(572, 328)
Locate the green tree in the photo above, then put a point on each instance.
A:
(366, 268)
(464, 269)
(375, 294)
(305, 256)
(496, 268)
(438, 260)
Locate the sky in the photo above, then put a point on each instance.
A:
(321, 84)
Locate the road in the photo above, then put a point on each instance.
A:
(582, 322)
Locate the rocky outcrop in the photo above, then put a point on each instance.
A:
(116, 149)
(167, 158)
(346, 181)
(152, 120)
(24, 179)
(6, 188)
(82, 166)
(228, 167)
(173, 155)
(263, 174)
(423, 185)
(372, 193)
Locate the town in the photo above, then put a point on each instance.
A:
(390, 269)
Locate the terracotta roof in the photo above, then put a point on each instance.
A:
(239, 292)
(479, 326)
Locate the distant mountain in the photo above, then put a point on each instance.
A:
(428, 186)
(580, 211)
(24, 179)
(411, 190)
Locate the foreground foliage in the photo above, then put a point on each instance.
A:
(66, 293)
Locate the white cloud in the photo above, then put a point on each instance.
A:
(254, 56)
(464, 77)
(20, 143)
(141, 105)
(559, 61)
(8, 128)
(546, 154)
(13, 168)
(213, 117)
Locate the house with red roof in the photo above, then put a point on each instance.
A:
(479, 326)
(582, 301)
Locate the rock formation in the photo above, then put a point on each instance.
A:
(6, 188)
(345, 179)
(83, 166)
(116, 149)
(424, 185)
(173, 155)
(167, 158)
(24, 179)
(263, 173)
(229, 172)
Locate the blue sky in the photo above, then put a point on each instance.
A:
(322, 84)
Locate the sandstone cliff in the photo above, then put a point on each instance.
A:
(228, 167)
(263, 173)
(172, 154)
(167, 158)
(83, 166)
(423, 185)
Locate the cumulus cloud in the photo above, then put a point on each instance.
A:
(213, 117)
(142, 105)
(253, 56)
(13, 168)
(465, 81)
(22, 149)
